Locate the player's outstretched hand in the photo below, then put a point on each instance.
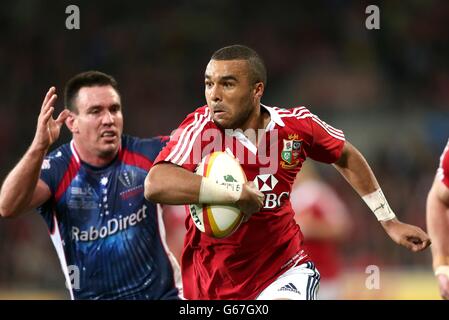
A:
(409, 236)
(251, 200)
(48, 129)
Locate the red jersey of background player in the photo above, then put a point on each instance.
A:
(243, 264)
(443, 169)
(318, 200)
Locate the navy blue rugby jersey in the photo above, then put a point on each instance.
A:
(110, 240)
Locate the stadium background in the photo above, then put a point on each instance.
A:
(388, 89)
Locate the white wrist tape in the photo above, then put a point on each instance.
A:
(379, 206)
(214, 193)
(444, 270)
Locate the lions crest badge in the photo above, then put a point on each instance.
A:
(291, 151)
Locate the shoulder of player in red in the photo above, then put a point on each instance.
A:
(294, 128)
(443, 168)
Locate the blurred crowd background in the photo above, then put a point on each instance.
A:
(388, 90)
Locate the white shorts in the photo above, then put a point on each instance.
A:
(297, 283)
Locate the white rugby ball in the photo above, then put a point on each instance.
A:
(219, 221)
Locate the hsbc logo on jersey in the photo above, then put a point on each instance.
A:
(272, 200)
(265, 183)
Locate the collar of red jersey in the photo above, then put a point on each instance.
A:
(275, 118)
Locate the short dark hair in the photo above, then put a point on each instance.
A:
(90, 78)
(240, 52)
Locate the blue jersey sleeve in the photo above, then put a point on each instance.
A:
(149, 148)
(53, 170)
(54, 167)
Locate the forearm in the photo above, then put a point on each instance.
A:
(438, 225)
(356, 170)
(19, 186)
(169, 184)
(353, 166)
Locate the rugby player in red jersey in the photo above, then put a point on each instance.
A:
(438, 223)
(264, 258)
(326, 224)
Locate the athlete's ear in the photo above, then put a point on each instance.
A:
(258, 90)
(72, 123)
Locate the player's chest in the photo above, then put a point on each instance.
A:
(104, 191)
(273, 165)
(278, 152)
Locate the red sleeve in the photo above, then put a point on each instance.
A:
(185, 146)
(324, 143)
(443, 170)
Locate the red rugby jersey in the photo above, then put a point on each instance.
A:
(443, 170)
(318, 200)
(243, 264)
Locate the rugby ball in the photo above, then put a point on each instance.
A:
(219, 221)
